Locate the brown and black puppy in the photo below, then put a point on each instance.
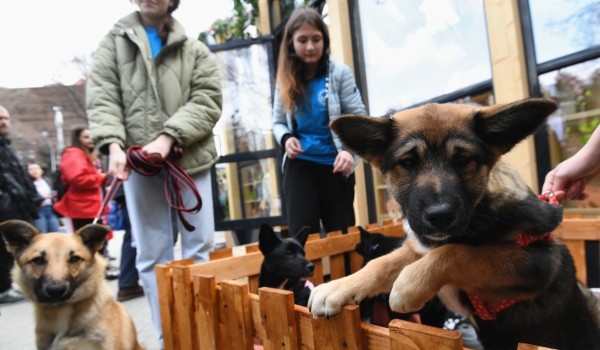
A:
(63, 275)
(478, 236)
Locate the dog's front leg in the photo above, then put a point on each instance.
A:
(375, 278)
(484, 270)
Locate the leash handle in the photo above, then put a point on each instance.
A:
(114, 186)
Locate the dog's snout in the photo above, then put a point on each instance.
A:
(55, 290)
(440, 216)
(310, 268)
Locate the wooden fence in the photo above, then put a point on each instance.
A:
(218, 305)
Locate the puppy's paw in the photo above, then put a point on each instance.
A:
(328, 299)
(410, 291)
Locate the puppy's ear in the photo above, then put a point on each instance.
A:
(364, 234)
(503, 126)
(18, 235)
(369, 137)
(93, 236)
(267, 239)
(302, 235)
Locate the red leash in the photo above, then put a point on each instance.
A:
(175, 177)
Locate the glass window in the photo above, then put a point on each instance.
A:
(562, 27)
(417, 50)
(576, 89)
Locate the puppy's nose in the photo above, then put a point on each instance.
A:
(310, 268)
(439, 216)
(55, 290)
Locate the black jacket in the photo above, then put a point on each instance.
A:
(18, 197)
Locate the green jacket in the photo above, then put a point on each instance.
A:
(131, 99)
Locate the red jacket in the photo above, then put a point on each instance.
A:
(84, 195)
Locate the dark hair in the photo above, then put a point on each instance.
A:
(291, 72)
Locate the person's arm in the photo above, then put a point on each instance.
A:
(103, 98)
(569, 178)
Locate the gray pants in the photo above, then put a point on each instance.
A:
(152, 223)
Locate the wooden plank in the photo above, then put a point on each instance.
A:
(221, 253)
(331, 246)
(236, 315)
(523, 346)
(278, 316)
(230, 268)
(584, 229)
(577, 250)
(337, 266)
(413, 336)
(184, 307)
(375, 337)
(341, 331)
(304, 320)
(317, 277)
(252, 247)
(165, 302)
(207, 312)
(259, 330)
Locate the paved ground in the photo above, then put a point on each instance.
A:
(17, 322)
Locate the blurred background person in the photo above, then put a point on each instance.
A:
(78, 166)
(47, 220)
(18, 200)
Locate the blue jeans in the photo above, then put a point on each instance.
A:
(47, 221)
(128, 273)
(152, 224)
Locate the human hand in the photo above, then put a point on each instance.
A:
(344, 163)
(161, 145)
(293, 147)
(569, 178)
(117, 162)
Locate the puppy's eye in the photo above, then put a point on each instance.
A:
(409, 161)
(74, 259)
(462, 159)
(289, 252)
(39, 261)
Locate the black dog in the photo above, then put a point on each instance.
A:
(377, 310)
(285, 265)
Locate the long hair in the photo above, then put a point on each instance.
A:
(76, 142)
(292, 76)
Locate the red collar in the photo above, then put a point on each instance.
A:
(524, 239)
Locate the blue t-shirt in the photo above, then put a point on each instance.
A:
(312, 120)
(155, 40)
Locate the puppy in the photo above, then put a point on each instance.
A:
(63, 276)
(478, 237)
(376, 310)
(285, 265)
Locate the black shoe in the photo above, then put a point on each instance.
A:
(127, 293)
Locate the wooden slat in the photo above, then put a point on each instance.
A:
(165, 301)
(337, 267)
(279, 317)
(375, 337)
(584, 229)
(413, 336)
(523, 346)
(237, 316)
(221, 253)
(207, 312)
(317, 277)
(184, 307)
(259, 330)
(341, 331)
(230, 268)
(252, 247)
(331, 246)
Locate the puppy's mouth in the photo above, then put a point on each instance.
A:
(438, 237)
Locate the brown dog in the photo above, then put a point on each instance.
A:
(63, 276)
(478, 237)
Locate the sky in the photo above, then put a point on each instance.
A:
(39, 38)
